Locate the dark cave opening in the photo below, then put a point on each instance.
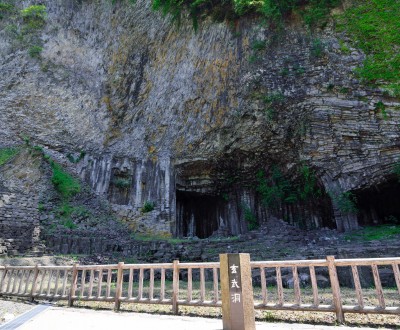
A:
(380, 204)
(197, 214)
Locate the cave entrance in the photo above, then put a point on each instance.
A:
(379, 204)
(197, 214)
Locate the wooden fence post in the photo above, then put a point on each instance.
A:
(237, 292)
(3, 279)
(175, 287)
(337, 300)
(34, 283)
(396, 273)
(74, 280)
(118, 290)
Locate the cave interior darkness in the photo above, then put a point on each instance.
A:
(198, 214)
(379, 204)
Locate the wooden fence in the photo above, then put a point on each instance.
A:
(197, 284)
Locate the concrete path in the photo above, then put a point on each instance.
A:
(74, 318)
(23, 318)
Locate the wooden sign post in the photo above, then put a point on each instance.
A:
(236, 292)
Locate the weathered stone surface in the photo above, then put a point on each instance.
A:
(19, 224)
(181, 115)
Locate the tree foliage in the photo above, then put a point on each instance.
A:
(276, 189)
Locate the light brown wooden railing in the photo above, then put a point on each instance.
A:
(133, 283)
(174, 284)
(332, 266)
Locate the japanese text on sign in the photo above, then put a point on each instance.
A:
(234, 283)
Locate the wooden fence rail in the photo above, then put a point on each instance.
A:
(198, 284)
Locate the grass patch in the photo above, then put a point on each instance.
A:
(375, 26)
(372, 233)
(35, 51)
(6, 154)
(34, 12)
(64, 183)
(66, 213)
(148, 207)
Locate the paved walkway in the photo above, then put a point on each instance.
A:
(23, 318)
(74, 318)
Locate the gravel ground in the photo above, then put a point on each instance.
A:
(9, 309)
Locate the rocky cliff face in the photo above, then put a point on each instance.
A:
(191, 121)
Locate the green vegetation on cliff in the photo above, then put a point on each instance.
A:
(5, 8)
(64, 183)
(277, 189)
(250, 218)
(346, 202)
(148, 207)
(6, 154)
(375, 27)
(34, 13)
(67, 187)
(273, 11)
(23, 26)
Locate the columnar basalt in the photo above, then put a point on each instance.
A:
(185, 121)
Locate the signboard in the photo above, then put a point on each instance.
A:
(237, 292)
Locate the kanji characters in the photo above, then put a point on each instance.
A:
(234, 269)
(235, 298)
(235, 284)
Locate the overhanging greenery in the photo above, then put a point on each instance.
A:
(375, 27)
(313, 11)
